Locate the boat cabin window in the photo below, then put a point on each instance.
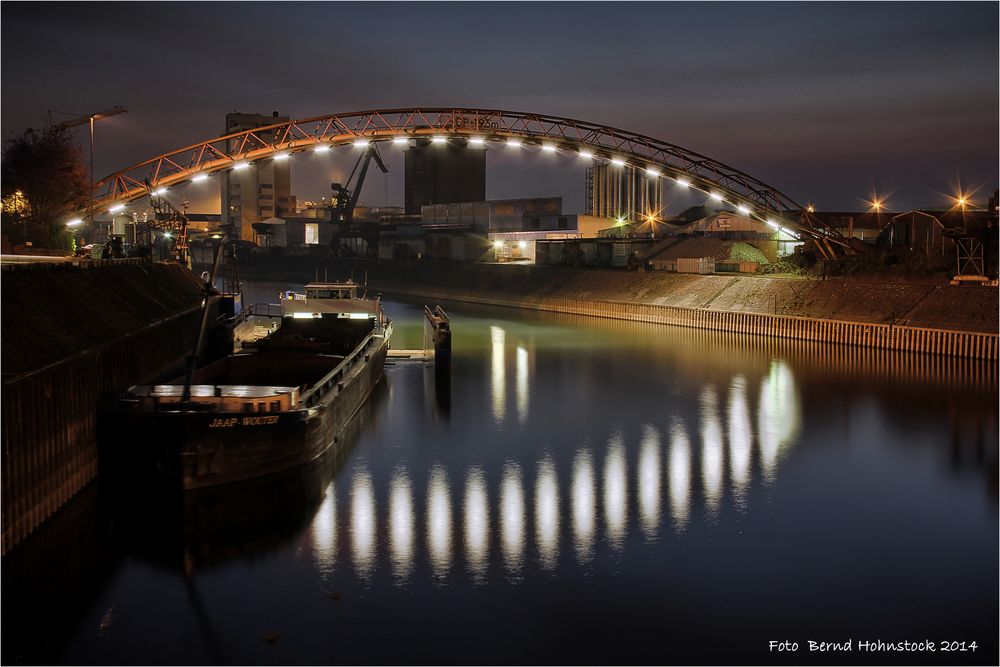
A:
(275, 406)
(262, 407)
(330, 293)
(248, 407)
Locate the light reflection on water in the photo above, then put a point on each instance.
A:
(778, 418)
(498, 373)
(363, 523)
(477, 523)
(521, 384)
(512, 531)
(547, 513)
(324, 532)
(649, 487)
(711, 450)
(740, 440)
(439, 522)
(583, 511)
(679, 475)
(401, 524)
(615, 493)
(486, 514)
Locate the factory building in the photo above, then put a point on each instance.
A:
(259, 191)
(623, 193)
(442, 173)
(498, 230)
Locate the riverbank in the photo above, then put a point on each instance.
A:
(915, 304)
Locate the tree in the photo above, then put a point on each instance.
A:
(43, 181)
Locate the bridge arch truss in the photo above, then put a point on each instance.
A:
(591, 141)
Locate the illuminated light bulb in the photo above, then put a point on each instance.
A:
(477, 141)
(652, 171)
(683, 183)
(321, 148)
(116, 208)
(715, 195)
(586, 155)
(400, 141)
(514, 143)
(199, 178)
(439, 140)
(618, 162)
(241, 166)
(743, 210)
(280, 156)
(549, 148)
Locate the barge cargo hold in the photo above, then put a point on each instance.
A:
(280, 403)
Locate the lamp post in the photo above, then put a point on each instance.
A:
(92, 118)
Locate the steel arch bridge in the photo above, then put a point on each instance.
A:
(591, 141)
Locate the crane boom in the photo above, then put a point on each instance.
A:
(84, 119)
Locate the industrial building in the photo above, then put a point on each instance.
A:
(260, 190)
(622, 192)
(442, 173)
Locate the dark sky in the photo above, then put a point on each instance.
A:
(826, 102)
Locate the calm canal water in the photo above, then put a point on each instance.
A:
(585, 491)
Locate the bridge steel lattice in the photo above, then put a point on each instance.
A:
(591, 141)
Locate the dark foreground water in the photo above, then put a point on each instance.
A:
(585, 491)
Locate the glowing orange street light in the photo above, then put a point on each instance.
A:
(811, 208)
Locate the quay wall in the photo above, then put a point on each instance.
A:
(912, 316)
(74, 338)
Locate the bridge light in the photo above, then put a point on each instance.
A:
(439, 140)
(321, 148)
(514, 143)
(361, 143)
(652, 171)
(74, 222)
(772, 223)
(811, 208)
(683, 183)
(498, 244)
(241, 166)
(477, 141)
(715, 195)
(586, 155)
(400, 141)
(116, 208)
(280, 156)
(168, 235)
(549, 148)
(199, 178)
(743, 210)
(160, 192)
(618, 162)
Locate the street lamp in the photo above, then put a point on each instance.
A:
(93, 118)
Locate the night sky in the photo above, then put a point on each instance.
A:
(826, 102)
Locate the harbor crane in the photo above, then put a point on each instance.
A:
(345, 199)
(84, 119)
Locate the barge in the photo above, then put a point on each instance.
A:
(278, 402)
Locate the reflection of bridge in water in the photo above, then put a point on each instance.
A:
(464, 520)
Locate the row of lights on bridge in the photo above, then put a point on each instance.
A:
(876, 204)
